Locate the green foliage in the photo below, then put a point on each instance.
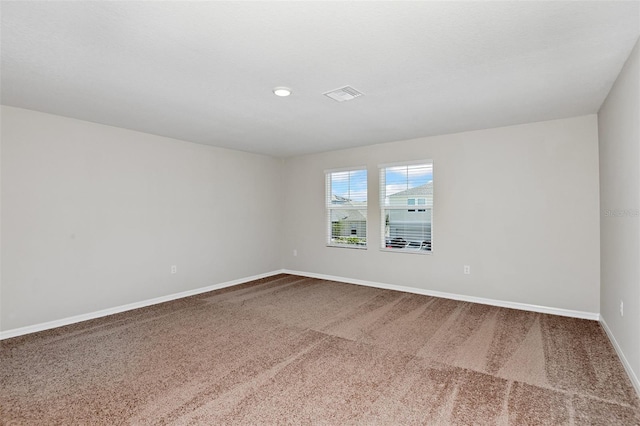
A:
(337, 228)
(350, 240)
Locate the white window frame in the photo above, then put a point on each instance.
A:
(416, 208)
(329, 207)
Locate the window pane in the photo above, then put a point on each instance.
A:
(407, 229)
(350, 186)
(347, 208)
(399, 179)
(412, 226)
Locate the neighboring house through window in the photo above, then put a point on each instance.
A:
(406, 203)
(346, 205)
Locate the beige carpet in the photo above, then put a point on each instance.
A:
(293, 350)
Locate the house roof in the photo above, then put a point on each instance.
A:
(347, 216)
(338, 199)
(425, 190)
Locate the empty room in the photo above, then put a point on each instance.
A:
(320, 212)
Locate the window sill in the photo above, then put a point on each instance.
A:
(406, 250)
(348, 246)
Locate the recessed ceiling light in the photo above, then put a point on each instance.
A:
(281, 91)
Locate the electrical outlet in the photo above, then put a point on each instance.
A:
(295, 252)
(174, 269)
(467, 269)
(621, 308)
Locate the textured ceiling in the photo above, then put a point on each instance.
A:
(203, 71)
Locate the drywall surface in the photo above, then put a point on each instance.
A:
(94, 216)
(619, 139)
(518, 204)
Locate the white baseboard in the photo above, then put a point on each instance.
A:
(623, 359)
(513, 305)
(110, 311)
(501, 303)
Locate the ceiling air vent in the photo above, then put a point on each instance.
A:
(342, 94)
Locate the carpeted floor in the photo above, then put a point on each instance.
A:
(294, 350)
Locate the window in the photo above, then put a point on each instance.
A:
(406, 204)
(346, 203)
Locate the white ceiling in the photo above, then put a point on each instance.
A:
(203, 71)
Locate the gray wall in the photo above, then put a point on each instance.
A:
(518, 204)
(93, 216)
(619, 137)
